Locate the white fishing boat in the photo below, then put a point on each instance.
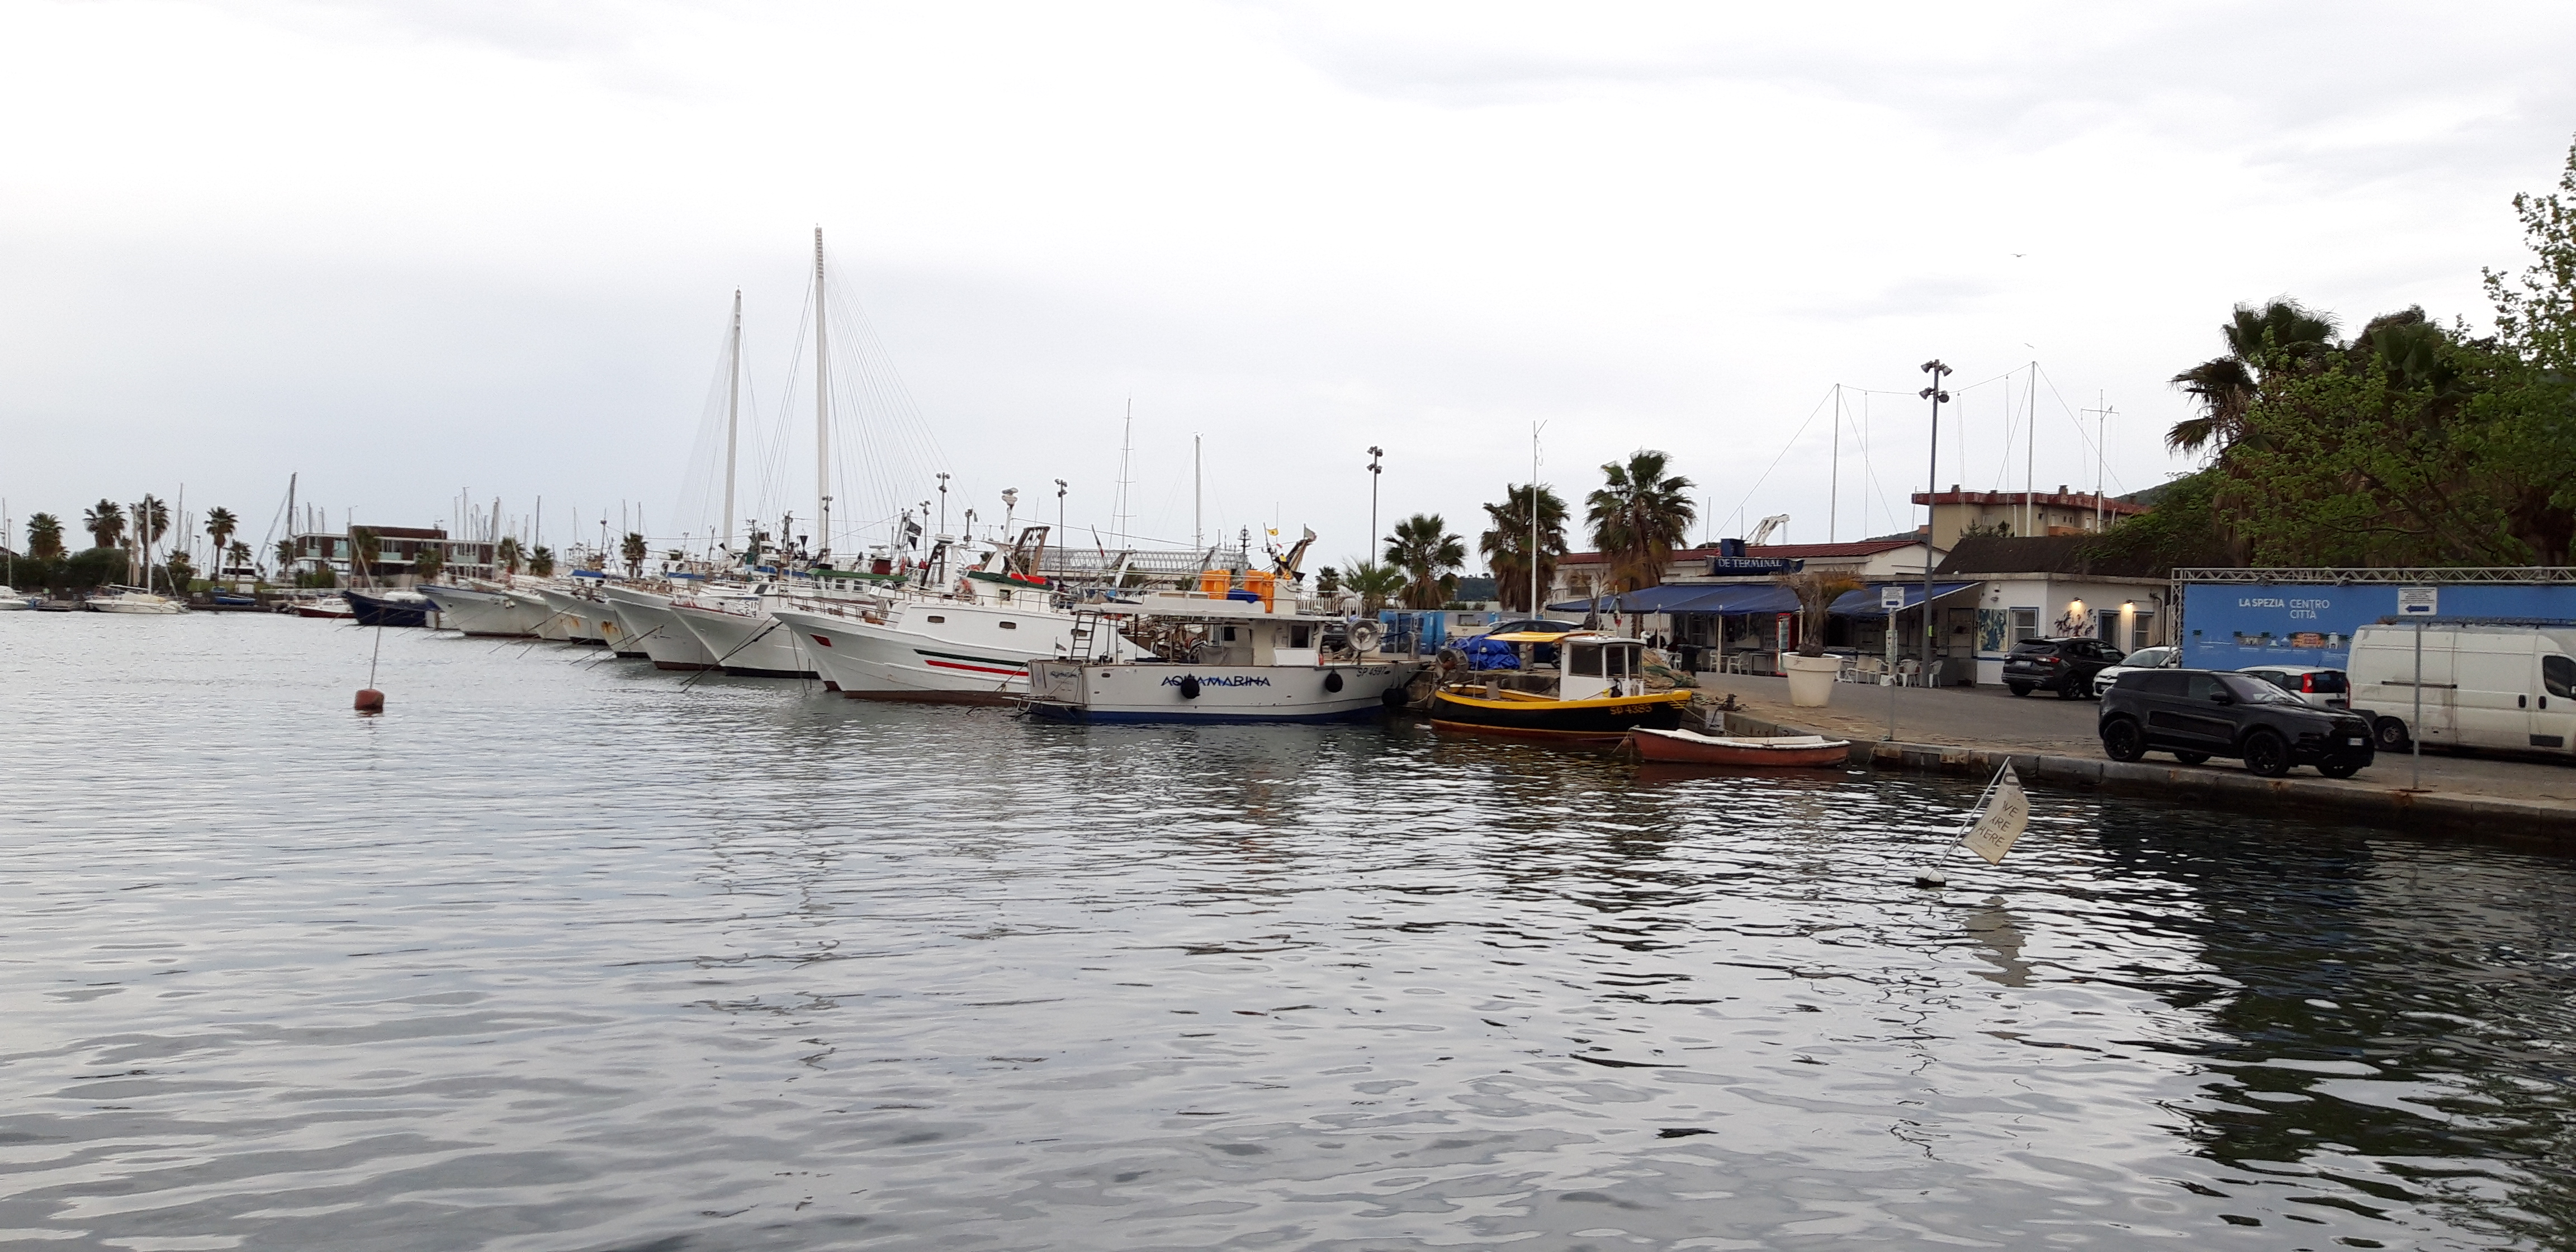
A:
(1220, 660)
(484, 612)
(584, 620)
(12, 599)
(551, 625)
(652, 626)
(739, 631)
(135, 600)
(971, 645)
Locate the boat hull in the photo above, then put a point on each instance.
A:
(962, 660)
(581, 618)
(655, 631)
(325, 611)
(1685, 748)
(1605, 720)
(373, 611)
(1144, 692)
(483, 614)
(746, 644)
(152, 606)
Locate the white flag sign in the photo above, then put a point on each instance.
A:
(2006, 814)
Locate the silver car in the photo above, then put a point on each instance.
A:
(2143, 658)
(2312, 684)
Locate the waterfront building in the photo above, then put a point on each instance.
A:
(2019, 514)
(2034, 588)
(397, 547)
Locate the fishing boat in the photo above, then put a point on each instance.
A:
(484, 612)
(392, 608)
(328, 606)
(1570, 686)
(740, 633)
(135, 600)
(652, 627)
(1217, 659)
(584, 619)
(1689, 747)
(971, 645)
(12, 599)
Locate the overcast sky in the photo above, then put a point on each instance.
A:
(412, 249)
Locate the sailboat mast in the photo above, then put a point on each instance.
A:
(822, 411)
(733, 413)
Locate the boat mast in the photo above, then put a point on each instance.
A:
(1834, 477)
(2030, 455)
(1198, 495)
(733, 414)
(1533, 548)
(822, 412)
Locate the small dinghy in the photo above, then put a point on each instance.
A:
(1692, 748)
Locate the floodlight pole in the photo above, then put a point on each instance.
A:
(1374, 472)
(1931, 494)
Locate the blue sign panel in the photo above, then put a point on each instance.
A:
(2233, 625)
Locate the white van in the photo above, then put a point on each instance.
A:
(2502, 684)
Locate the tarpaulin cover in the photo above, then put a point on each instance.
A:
(1488, 653)
(1696, 598)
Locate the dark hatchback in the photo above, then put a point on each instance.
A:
(2065, 666)
(2197, 714)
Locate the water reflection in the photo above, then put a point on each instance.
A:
(562, 954)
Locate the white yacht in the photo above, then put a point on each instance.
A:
(1220, 660)
(585, 620)
(972, 645)
(12, 599)
(135, 600)
(737, 630)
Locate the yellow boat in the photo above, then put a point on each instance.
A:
(1594, 692)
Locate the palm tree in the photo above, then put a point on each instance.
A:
(507, 553)
(633, 552)
(1375, 584)
(426, 563)
(364, 548)
(285, 556)
(44, 536)
(1638, 519)
(1506, 544)
(1429, 555)
(2280, 334)
(541, 561)
(105, 522)
(238, 553)
(152, 517)
(220, 525)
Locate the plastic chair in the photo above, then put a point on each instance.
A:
(1909, 672)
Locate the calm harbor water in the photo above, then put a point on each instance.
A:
(568, 954)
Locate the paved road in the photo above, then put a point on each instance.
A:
(1990, 717)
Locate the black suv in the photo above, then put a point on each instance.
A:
(2197, 714)
(2065, 666)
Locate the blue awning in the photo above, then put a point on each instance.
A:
(1864, 602)
(1726, 598)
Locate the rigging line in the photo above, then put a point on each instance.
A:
(1784, 448)
(2077, 421)
(1869, 472)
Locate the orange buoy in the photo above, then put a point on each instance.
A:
(371, 701)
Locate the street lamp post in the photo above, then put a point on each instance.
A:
(1062, 537)
(1931, 492)
(943, 502)
(1374, 472)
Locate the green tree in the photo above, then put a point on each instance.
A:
(1429, 555)
(508, 554)
(238, 554)
(2536, 314)
(105, 522)
(1374, 583)
(220, 525)
(44, 536)
(152, 518)
(364, 547)
(2281, 335)
(1638, 518)
(1328, 581)
(285, 556)
(1506, 544)
(426, 563)
(633, 552)
(541, 561)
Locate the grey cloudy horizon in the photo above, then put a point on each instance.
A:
(408, 250)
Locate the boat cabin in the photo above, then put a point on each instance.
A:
(1206, 630)
(1586, 665)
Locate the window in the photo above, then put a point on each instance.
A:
(1010, 625)
(1301, 634)
(2106, 626)
(2201, 686)
(934, 619)
(2161, 684)
(1585, 660)
(2025, 624)
(1229, 634)
(2558, 674)
(2142, 629)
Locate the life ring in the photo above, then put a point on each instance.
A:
(1364, 636)
(1333, 681)
(1189, 686)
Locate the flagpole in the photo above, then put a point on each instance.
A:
(1933, 876)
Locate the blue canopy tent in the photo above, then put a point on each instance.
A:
(1864, 602)
(1724, 598)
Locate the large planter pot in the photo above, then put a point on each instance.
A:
(1811, 679)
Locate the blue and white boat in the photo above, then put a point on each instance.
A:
(1221, 660)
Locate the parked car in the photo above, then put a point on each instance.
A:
(2509, 686)
(1535, 625)
(2312, 684)
(2163, 657)
(2065, 666)
(2197, 714)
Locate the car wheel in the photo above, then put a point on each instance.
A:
(2265, 755)
(2066, 689)
(2340, 768)
(2390, 734)
(2122, 741)
(2191, 758)
(2019, 689)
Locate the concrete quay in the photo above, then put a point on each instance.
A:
(2051, 743)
